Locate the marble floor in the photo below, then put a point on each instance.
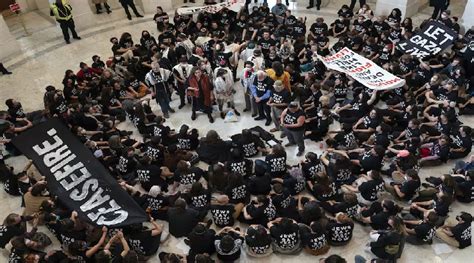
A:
(45, 57)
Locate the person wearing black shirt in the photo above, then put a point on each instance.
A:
(228, 244)
(14, 225)
(285, 235)
(149, 174)
(259, 211)
(340, 230)
(201, 240)
(369, 160)
(181, 219)
(250, 144)
(465, 187)
(462, 143)
(408, 188)
(421, 232)
(313, 239)
(367, 187)
(285, 204)
(292, 121)
(457, 234)
(378, 213)
(237, 163)
(223, 213)
(389, 244)
(258, 242)
(145, 241)
(279, 100)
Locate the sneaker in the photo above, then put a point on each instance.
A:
(166, 115)
(300, 153)
(129, 17)
(172, 110)
(274, 130)
(259, 118)
(193, 116)
(236, 112)
(245, 110)
(181, 106)
(211, 120)
(222, 115)
(78, 38)
(268, 122)
(254, 115)
(289, 144)
(282, 135)
(309, 7)
(139, 15)
(68, 42)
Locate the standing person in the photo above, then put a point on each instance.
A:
(261, 90)
(439, 6)
(292, 120)
(200, 87)
(223, 91)
(181, 73)
(278, 102)
(129, 3)
(4, 70)
(353, 3)
(318, 4)
(61, 10)
(157, 79)
(98, 6)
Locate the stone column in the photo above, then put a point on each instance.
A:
(408, 7)
(468, 17)
(82, 14)
(8, 43)
(149, 6)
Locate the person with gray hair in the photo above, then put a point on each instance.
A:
(261, 90)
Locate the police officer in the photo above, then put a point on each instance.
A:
(129, 3)
(61, 10)
(292, 121)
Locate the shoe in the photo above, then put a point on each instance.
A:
(98, 12)
(172, 110)
(68, 42)
(129, 17)
(222, 115)
(139, 15)
(78, 38)
(274, 130)
(259, 118)
(109, 11)
(181, 106)
(289, 144)
(283, 135)
(309, 7)
(300, 153)
(7, 73)
(166, 115)
(193, 116)
(236, 112)
(268, 122)
(253, 115)
(211, 120)
(318, 8)
(245, 110)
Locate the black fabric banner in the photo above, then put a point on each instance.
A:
(76, 177)
(433, 38)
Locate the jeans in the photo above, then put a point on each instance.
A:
(163, 100)
(66, 26)
(295, 137)
(276, 113)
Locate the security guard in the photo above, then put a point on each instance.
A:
(61, 10)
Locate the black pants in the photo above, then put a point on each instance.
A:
(125, 6)
(264, 110)
(98, 7)
(437, 11)
(318, 3)
(3, 69)
(353, 3)
(66, 26)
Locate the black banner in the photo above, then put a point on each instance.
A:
(433, 38)
(79, 180)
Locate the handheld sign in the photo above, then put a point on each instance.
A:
(432, 39)
(76, 177)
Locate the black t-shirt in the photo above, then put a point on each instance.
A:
(340, 175)
(237, 194)
(222, 215)
(266, 44)
(149, 175)
(202, 243)
(263, 214)
(263, 86)
(143, 242)
(467, 190)
(311, 169)
(318, 29)
(189, 178)
(292, 118)
(369, 162)
(346, 140)
(285, 238)
(8, 232)
(462, 233)
(181, 223)
(380, 221)
(339, 232)
(314, 241)
(277, 164)
(425, 232)
(229, 256)
(126, 164)
(259, 246)
(156, 153)
(248, 144)
(283, 96)
(409, 188)
(369, 189)
(462, 142)
(201, 200)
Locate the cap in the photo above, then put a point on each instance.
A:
(403, 153)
